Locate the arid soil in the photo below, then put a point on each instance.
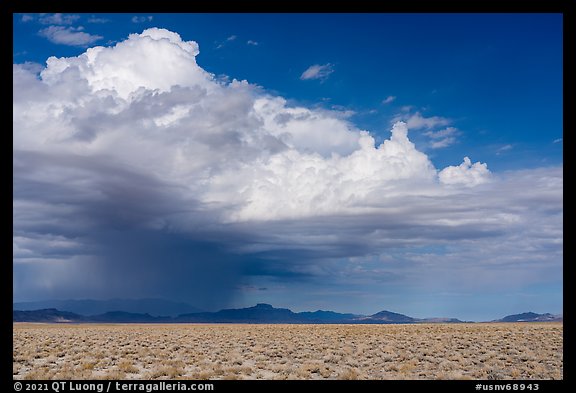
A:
(199, 351)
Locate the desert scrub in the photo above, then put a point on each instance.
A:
(235, 351)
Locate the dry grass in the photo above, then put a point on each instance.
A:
(197, 351)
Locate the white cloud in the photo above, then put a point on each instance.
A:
(317, 71)
(389, 99)
(442, 138)
(94, 19)
(439, 138)
(253, 43)
(466, 174)
(228, 39)
(27, 18)
(142, 19)
(504, 148)
(124, 68)
(417, 121)
(439, 144)
(449, 131)
(72, 36)
(58, 19)
(559, 140)
(299, 184)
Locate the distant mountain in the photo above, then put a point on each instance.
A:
(321, 316)
(126, 317)
(52, 315)
(265, 313)
(386, 317)
(46, 315)
(261, 313)
(154, 307)
(532, 317)
(440, 320)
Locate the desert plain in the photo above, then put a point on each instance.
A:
(241, 351)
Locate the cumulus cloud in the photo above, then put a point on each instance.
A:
(73, 36)
(251, 42)
(32, 67)
(466, 174)
(138, 173)
(317, 71)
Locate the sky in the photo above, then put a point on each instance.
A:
(358, 163)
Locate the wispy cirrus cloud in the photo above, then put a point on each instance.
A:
(317, 71)
(389, 100)
(442, 138)
(96, 20)
(504, 148)
(51, 19)
(417, 121)
(142, 19)
(58, 19)
(228, 39)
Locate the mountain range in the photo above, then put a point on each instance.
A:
(532, 317)
(261, 313)
(87, 307)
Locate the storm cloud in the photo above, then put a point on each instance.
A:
(137, 173)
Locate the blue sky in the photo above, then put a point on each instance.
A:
(483, 86)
